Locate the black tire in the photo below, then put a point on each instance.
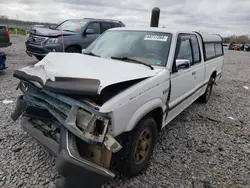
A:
(72, 49)
(206, 96)
(39, 58)
(125, 160)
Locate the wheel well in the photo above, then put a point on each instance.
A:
(157, 114)
(214, 75)
(75, 46)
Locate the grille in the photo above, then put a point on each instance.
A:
(65, 110)
(36, 40)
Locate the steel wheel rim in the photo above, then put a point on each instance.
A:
(143, 146)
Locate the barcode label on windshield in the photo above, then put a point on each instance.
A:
(156, 38)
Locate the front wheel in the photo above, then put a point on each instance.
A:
(72, 49)
(138, 146)
(206, 96)
(39, 58)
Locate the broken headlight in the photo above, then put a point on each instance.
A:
(82, 119)
(90, 123)
(95, 128)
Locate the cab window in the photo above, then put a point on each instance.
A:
(185, 50)
(196, 49)
(105, 26)
(117, 25)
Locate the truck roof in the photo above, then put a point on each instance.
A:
(205, 36)
(105, 20)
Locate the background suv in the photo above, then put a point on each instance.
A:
(70, 36)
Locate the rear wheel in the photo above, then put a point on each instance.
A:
(39, 58)
(138, 146)
(72, 49)
(206, 96)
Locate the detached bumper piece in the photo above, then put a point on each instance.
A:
(74, 171)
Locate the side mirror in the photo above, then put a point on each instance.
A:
(182, 63)
(89, 31)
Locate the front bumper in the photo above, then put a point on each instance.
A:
(43, 49)
(74, 171)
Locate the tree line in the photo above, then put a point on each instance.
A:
(242, 39)
(4, 20)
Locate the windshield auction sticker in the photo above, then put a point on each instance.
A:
(156, 37)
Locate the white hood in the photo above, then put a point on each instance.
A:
(71, 65)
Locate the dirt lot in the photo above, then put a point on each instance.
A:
(208, 145)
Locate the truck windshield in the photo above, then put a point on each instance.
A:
(148, 47)
(71, 25)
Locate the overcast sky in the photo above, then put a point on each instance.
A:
(225, 17)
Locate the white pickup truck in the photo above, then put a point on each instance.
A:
(106, 107)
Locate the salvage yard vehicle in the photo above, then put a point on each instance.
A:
(236, 47)
(70, 36)
(104, 109)
(247, 47)
(4, 37)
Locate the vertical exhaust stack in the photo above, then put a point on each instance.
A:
(155, 16)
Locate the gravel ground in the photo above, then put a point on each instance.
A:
(202, 147)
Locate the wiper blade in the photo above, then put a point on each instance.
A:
(69, 30)
(92, 54)
(134, 60)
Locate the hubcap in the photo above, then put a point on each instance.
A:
(143, 146)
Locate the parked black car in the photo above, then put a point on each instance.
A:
(4, 37)
(247, 47)
(70, 36)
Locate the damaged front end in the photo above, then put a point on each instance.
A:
(74, 130)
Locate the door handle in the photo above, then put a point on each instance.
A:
(194, 73)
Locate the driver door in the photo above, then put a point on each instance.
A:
(89, 38)
(181, 79)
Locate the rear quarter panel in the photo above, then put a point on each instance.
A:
(214, 65)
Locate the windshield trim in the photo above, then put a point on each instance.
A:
(120, 30)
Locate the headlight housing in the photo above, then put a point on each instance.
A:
(54, 40)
